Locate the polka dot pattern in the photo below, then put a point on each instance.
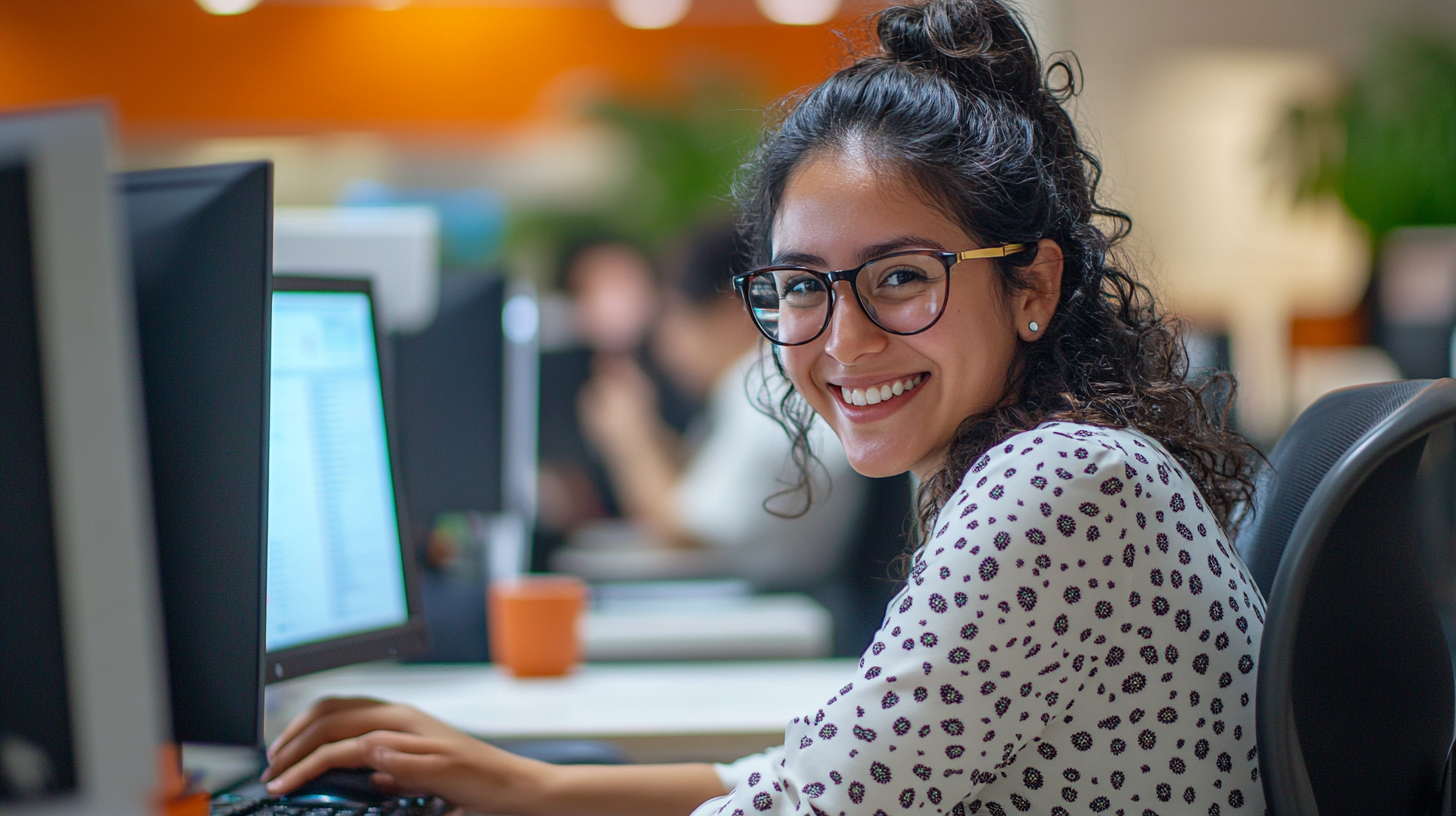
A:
(1078, 636)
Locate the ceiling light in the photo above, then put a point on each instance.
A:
(227, 6)
(650, 13)
(799, 12)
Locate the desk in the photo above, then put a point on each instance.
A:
(655, 712)
(750, 627)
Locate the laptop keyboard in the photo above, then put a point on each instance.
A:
(231, 804)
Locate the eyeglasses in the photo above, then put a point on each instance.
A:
(903, 293)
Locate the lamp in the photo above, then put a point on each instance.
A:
(799, 12)
(227, 6)
(650, 14)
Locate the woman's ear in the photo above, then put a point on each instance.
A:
(1035, 305)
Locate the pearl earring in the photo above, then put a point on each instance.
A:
(1032, 325)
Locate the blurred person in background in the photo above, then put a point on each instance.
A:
(613, 301)
(726, 484)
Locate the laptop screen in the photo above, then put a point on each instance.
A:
(334, 555)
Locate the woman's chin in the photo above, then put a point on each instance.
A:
(879, 464)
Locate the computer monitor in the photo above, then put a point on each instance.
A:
(341, 588)
(397, 247)
(201, 249)
(448, 386)
(448, 383)
(81, 679)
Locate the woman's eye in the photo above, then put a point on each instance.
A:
(901, 276)
(802, 287)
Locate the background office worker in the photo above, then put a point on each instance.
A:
(1076, 634)
(708, 488)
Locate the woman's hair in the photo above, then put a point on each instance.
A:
(956, 102)
(700, 266)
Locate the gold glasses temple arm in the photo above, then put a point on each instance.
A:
(991, 252)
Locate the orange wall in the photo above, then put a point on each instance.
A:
(168, 64)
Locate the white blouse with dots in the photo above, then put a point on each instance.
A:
(1076, 637)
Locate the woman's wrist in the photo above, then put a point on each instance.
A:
(611, 790)
(526, 788)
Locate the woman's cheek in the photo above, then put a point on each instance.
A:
(798, 365)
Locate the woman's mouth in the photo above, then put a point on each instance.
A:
(882, 392)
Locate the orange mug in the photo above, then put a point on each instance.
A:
(533, 623)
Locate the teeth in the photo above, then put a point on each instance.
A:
(874, 396)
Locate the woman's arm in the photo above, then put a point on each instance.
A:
(412, 752)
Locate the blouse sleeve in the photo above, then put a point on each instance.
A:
(978, 654)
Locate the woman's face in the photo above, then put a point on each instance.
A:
(837, 213)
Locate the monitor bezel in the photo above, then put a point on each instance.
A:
(96, 450)
(410, 637)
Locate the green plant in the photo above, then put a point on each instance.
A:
(687, 150)
(1386, 145)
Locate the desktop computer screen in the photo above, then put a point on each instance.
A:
(202, 254)
(339, 583)
(35, 708)
(448, 384)
(81, 710)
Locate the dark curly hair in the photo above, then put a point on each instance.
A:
(955, 100)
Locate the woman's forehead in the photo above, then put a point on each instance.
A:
(837, 204)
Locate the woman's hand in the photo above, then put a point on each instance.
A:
(409, 751)
(413, 752)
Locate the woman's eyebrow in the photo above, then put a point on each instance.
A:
(790, 258)
(798, 259)
(895, 245)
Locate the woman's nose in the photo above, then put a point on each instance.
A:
(852, 334)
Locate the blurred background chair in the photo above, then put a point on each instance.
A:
(1355, 702)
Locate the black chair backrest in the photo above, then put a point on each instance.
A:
(1307, 451)
(1355, 696)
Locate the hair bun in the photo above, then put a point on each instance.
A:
(981, 44)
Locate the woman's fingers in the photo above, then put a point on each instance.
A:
(410, 766)
(349, 753)
(321, 708)
(344, 722)
(406, 762)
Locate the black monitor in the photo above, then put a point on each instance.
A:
(81, 710)
(341, 588)
(202, 251)
(448, 386)
(35, 707)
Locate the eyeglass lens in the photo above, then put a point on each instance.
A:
(902, 294)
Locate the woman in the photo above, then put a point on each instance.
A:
(1076, 634)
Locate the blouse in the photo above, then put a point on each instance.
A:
(1077, 636)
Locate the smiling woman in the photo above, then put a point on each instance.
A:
(1075, 633)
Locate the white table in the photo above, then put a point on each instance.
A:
(656, 712)
(751, 627)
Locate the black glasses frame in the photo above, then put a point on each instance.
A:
(949, 259)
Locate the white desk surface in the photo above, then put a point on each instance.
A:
(754, 627)
(720, 709)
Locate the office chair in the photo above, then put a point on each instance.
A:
(1355, 696)
(1307, 451)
